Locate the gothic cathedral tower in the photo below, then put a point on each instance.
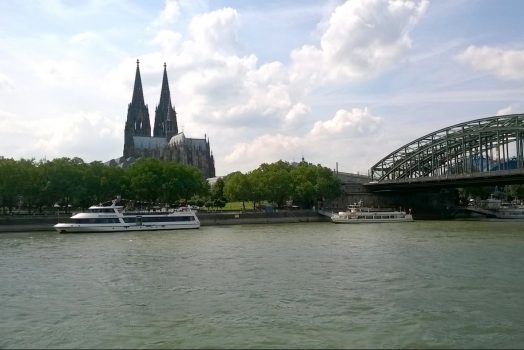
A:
(165, 115)
(137, 123)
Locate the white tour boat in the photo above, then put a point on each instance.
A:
(504, 210)
(100, 218)
(357, 214)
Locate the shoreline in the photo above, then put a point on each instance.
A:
(28, 223)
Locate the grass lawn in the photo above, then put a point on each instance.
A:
(238, 206)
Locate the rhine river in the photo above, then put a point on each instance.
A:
(426, 284)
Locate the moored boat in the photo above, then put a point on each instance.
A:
(111, 218)
(502, 209)
(357, 214)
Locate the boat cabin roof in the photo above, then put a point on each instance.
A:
(105, 208)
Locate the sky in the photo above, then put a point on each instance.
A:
(338, 83)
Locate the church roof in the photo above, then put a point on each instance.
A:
(147, 142)
(180, 138)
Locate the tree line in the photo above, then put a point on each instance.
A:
(303, 184)
(37, 186)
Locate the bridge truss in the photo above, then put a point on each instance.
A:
(480, 146)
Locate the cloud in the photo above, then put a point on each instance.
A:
(83, 38)
(505, 111)
(349, 127)
(81, 134)
(216, 31)
(265, 148)
(361, 39)
(168, 40)
(234, 91)
(213, 84)
(169, 14)
(81, 129)
(504, 64)
(59, 73)
(354, 123)
(6, 83)
(296, 112)
(253, 111)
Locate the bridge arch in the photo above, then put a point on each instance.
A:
(477, 146)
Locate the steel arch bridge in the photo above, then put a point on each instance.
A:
(479, 150)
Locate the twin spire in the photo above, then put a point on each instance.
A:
(165, 115)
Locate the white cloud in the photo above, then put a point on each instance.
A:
(296, 112)
(168, 40)
(233, 91)
(71, 135)
(504, 64)
(6, 83)
(169, 14)
(216, 89)
(216, 31)
(59, 73)
(361, 38)
(505, 111)
(354, 123)
(88, 135)
(349, 127)
(83, 38)
(265, 148)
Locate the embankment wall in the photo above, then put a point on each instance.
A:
(23, 223)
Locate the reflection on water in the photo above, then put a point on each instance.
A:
(425, 284)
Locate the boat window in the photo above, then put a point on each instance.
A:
(96, 221)
(167, 218)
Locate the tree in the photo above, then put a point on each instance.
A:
(154, 180)
(237, 187)
(257, 189)
(218, 199)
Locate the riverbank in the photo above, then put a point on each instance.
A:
(24, 223)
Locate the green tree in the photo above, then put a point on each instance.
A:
(154, 180)
(63, 182)
(237, 187)
(145, 179)
(218, 199)
(257, 192)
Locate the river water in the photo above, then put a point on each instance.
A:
(426, 284)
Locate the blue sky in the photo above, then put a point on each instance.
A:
(333, 81)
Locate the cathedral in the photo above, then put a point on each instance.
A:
(166, 143)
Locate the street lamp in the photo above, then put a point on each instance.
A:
(57, 206)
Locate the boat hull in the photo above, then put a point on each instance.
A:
(510, 214)
(370, 221)
(79, 228)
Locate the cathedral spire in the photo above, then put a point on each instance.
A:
(165, 114)
(138, 94)
(137, 123)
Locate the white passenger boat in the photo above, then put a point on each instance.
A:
(100, 218)
(356, 214)
(504, 210)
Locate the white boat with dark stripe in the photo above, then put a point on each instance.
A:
(114, 218)
(356, 214)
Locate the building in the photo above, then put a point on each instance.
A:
(166, 143)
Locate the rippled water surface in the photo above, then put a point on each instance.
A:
(427, 284)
